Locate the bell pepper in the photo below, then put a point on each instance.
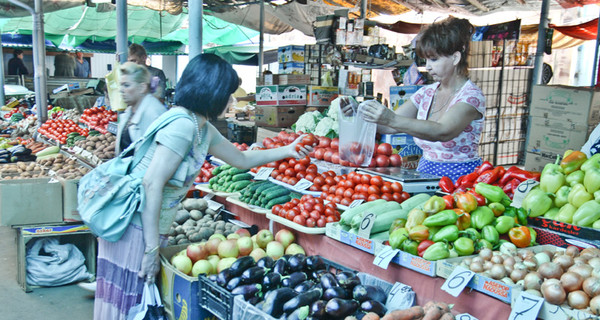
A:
(552, 213)
(552, 177)
(442, 218)
(481, 201)
(481, 244)
(397, 237)
(464, 219)
(565, 214)
(497, 208)
(522, 216)
(449, 200)
(465, 201)
(492, 193)
(458, 181)
(418, 233)
(596, 225)
(436, 251)
(572, 161)
(482, 216)
(490, 234)
(410, 246)
(447, 233)
(423, 245)
(562, 196)
(504, 224)
(587, 214)
(471, 233)
(397, 223)
(537, 202)
(519, 174)
(446, 184)
(520, 236)
(579, 195)
(453, 253)
(464, 246)
(597, 196)
(415, 217)
(485, 166)
(533, 235)
(592, 162)
(491, 176)
(591, 180)
(469, 178)
(434, 205)
(574, 178)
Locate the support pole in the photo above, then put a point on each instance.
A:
(2, 97)
(122, 44)
(541, 43)
(261, 41)
(195, 29)
(595, 70)
(363, 9)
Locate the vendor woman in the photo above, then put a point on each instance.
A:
(445, 118)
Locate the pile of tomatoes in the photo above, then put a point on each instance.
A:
(355, 186)
(98, 118)
(308, 211)
(205, 172)
(291, 170)
(59, 129)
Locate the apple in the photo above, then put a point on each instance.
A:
(214, 261)
(225, 263)
(228, 249)
(243, 232)
(196, 252)
(245, 245)
(294, 248)
(234, 236)
(182, 263)
(258, 254)
(218, 236)
(285, 237)
(263, 237)
(275, 250)
(202, 267)
(212, 245)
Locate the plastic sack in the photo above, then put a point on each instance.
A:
(357, 137)
(112, 87)
(412, 76)
(150, 307)
(50, 263)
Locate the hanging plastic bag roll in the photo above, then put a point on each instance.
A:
(357, 136)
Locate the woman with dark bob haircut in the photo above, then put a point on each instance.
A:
(445, 118)
(171, 163)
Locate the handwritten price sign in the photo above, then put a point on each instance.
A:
(457, 281)
(521, 191)
(366, 225)
(527, 306)
(263, 173)
(385, 256)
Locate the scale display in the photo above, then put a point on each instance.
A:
(411, 180)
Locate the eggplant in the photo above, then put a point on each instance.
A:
(293, 279)
(313, 263)
(317, 309)
(328, 280)
(359, 314)
(364, 292)
(286, 256)
(233, 283)
(212, 277)
(304, 299)
(240, 265)
(374, 306)
(265, 262)
(247, 290)
(304, 286)
(296, 262)
(253, 275)
(299, 314)
(281, 266)
(254, 300)
(223, 277)
(335, 292)
(348, 279)
(340, 308)
(316, 274)
(274, 301)
(259, 305)
(271, 281)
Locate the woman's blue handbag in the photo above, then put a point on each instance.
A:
(109, 195)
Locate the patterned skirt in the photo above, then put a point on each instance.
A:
(118, 287)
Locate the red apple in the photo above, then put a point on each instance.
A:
(228, 249)
(212, 245)
(243, 232)
(285, 237)
(245, 246)
(196, 252)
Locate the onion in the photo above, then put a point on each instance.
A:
(518, 259)
(520, 265)
(550, 270)
(592, 251)
(554, 293)
(596, 272)
(571, 281)
(579, 260)
(509, 269)
(508, 281)
(477, 260)
(591, 286)
(486, 253)
(595, 305)
(497, 271)
(518, 274)
(594, 262)
(534, 292)
(476, 267)
(467, 261)
(564, 261)
(508, 248)
(509, 261)
(497, 259)
(549, 282)
(530, 263)
(578, 299)
(487, 265)
(541, 258)
(533, 280)
(526, 253)
(584, 270)
(572, 251)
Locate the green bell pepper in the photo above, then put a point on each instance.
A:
(453, 253)
(587, 214)
(481, 217)
(492, 193)
(434, 205)
(504, 223)
(398, 237)
(433, 231)
(522, 216)
(574, 178)
(533, 235)
(579, 195)
(464, 246)
(497, 208)
(597, 196)
(565, 214)
(437, 251)
(537, 202)
(447, 233)
(490, 234)
(415, 217)
(552, 177)
(591, 180)
(596, 225)
(397, 223)
(552, 213)
(593, 162)
(410, 246)
(562, 196)
(482, 243)
(471, 233)
(442, 218)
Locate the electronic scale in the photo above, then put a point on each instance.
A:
(411, 180)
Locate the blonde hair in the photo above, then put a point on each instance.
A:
(139, 73)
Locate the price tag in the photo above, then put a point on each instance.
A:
(457, 281)
(356, 203)
(521, 191)
(263, 173)
(527, 306)
(239, 223)
(216, 206)
(303, 184)
(208, 196)
(385, 256)
(400, 294)
(465, 316)
(364, 231)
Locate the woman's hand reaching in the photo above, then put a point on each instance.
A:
(348, 106)
(299, 149)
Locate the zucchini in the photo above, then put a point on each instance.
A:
(278, 200)
(415, 201)
(346, 217)
(47, 151)
(384, 221)
(376, 210)
(380, 236)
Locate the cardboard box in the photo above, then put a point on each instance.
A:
(405, 146)
(291, 68)
(292, 53)
(510, 128)
(568, 104)
(267, 80)
(537, 161)
(321, 96)
(179, 291)
(30, 201)
(556, 135)
(266, 96)
(280, 95)
(480, 54)
(70, 212)
(288, 79)
(401, 94)
(277, 116)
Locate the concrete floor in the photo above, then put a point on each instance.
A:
(50, 303)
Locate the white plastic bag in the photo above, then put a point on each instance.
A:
(150, 308)
(50, 263)
(357, 137)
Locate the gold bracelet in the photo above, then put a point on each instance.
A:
(153, 250)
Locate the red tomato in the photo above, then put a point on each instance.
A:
(295, 201)
(339, 191)
(330, 219)
(360, 196)
(305, 214)
(366, 178)
(300, 175)
(285, 179)
(321, 222)
(397, 196)
(346, 201)
(330, 197)
(312, 168)
(276, 208)
(300, 220)
(275, 173)
(376, 181)
(319, 207)
(319, 153)
(289, 172)
(335, 157)
(395, 160)
(355, 147)
(330, 181)
(405, 196)
(292, 181)
(382, 160)
(319, 180)
(348, 193)
(327, 155)
(314, 187)
(315, 214)
(387, 187)
(324, 142)
(304, 161)
(311, 223)
(280, 177)
(337, 199)
(291, 215)
(384, 149)
(309, 140)
(374, 190)
(387, 197)
(335, 143)
(373, 197)
(299, 167)
(282, 166)
(299, 146)
(396, 187)
(309, 176)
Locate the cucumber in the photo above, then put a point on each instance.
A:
(220, 169)
(262, 187)
(346, 217)
(233, 171)
(275, 193)
(278, 200)
(241, 176)
(239, 185)
(415, 201)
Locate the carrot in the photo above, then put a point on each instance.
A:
(371, 316)
(444, 306)
(430, 304)
(447, 316)
(434, 313)
(413, 313)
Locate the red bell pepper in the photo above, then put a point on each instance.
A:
(459, 181)
(449, 200)
(423, 245)
(491, 176)
(465, 201)
(511, 186)
(470, 178)
(480, 199)
(446, 185)
(485, 166)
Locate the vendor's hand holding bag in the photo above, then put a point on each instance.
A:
(109, 195)
(150, 308)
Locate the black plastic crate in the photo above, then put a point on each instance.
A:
(219, 301)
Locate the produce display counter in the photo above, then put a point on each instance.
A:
(427, 288)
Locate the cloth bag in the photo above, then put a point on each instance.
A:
(150, 308)
(50, 263)
(109, 195)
